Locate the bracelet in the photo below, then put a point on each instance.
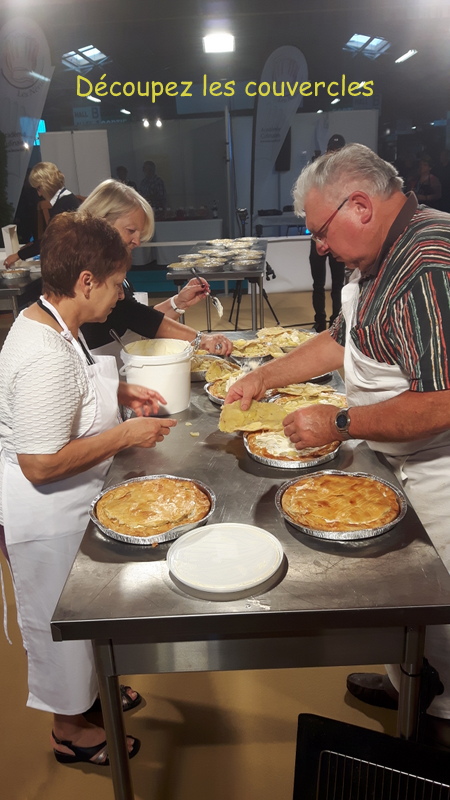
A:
(173, 304)
(196, 342)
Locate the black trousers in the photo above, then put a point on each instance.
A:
(318, 272)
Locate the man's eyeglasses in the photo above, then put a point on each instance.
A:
(321, 235)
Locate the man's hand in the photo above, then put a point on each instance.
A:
(311, 426)
(141, 400)
(250, 387)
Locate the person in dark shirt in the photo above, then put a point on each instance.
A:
(132, 216)
(122, 176)
(152, 187)
(48, 181)
(318, 264)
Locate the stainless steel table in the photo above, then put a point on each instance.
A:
(26, 288)
(255, 276)
(332, 604)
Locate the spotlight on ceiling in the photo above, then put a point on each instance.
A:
(145, 123)
(26, 146)
(405, 56)
(320, 111)
(124, 111)
(220, 42)
(336, 100)
(93, 99)
(158, 123)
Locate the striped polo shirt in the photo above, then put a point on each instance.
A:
(404, 302)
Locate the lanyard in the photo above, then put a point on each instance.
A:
(46, 306)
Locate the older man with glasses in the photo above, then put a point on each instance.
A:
(393, 339)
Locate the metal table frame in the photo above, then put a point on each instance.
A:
(254, 276)
(27, 288)
(330, 604)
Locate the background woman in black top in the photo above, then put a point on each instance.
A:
(48, 181)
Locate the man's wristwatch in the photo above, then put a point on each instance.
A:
(174, 306)
(342, 422)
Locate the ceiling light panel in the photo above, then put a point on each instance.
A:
(219, 42)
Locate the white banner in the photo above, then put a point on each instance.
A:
(25, 74)
(278, 99)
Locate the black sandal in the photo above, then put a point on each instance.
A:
(86, 754)
(127, 702)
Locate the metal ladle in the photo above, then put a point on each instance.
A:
(116, 336)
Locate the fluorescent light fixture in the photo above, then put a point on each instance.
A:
(336, 100)
(220, 42)
(320, 111)
(158, 123)
(405, 56)
(145, 123)
(94, 99)
(413, 127)
(124, 111)
(39, 77)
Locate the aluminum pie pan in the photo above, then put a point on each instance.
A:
(219, 401)
(200, 374)
(167, 536)
(344, 536)
(285, 464)
(243, 361)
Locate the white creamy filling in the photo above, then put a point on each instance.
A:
(279, 445)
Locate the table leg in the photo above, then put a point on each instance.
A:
(409, 696)
(108, 684)
(15, 306)
(261, 301)
(208, 313)
(254, 311)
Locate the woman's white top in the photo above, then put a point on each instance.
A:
(46, 399)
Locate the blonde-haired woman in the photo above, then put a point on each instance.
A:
(132, 216)
(48, 180)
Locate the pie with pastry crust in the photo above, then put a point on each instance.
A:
(150, 507)
(275, 445)
(330, 502)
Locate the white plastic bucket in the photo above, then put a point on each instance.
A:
(165, 367)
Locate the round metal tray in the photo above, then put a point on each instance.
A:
(199, 375)
(243, 361)
(217, 400)
(343, 536)
(167, 536)
(285, 464)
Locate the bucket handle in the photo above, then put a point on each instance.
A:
(123, 370)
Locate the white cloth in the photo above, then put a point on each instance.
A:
(422, 467)
(44, 526)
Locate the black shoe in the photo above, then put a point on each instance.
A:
(377, 690)
(318, 327)
(374, 689)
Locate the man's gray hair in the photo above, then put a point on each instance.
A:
(353, 167)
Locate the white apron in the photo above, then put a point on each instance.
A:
(422, 468)
(44, 526)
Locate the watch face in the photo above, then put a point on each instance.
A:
(342, 420)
